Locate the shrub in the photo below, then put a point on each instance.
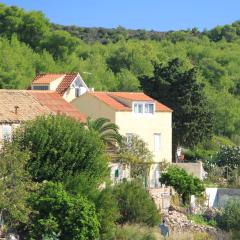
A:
(185, 184)
(57, 212)
(108, 213)
(230, 218)
(135, 204)
(60, 147)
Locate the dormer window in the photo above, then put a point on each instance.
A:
(143, 108)
(40, 87)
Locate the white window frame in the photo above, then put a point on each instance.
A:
(136, 105)
(6, 132)
(157, 148)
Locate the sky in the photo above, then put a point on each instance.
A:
(160, 15)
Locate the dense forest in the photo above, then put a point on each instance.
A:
(115, 59)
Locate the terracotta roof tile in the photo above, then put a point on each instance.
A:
(32, 104)
(110, 98)
(106, 98)
(66, 82)
(47, 78)
(57, 104)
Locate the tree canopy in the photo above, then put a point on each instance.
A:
(61, 147)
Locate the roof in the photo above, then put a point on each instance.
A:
(112, 99)
(33, 103)
(66, 82)
(47, 78)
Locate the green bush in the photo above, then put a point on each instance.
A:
(61, 147)
(230, 218)
(135, 204)
(185, 184)
(199, 219)
(108, 213)
(55, 212)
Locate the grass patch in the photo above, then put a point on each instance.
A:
(199, 219)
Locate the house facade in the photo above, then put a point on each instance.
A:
(18, 106)
(134, 113)
(69, 86)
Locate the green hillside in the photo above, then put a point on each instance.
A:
(115, 59)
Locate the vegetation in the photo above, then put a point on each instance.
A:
(61, 147)
(179, 89)
(199, 219)
(230, 219)
(135, 204)
(57, 212)
(137, 155)
(184, 184)
(15, 184)
(108, 131)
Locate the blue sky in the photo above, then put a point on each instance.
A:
(159, 15)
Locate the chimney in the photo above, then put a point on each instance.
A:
(16, 109)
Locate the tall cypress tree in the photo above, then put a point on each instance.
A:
(179, 90)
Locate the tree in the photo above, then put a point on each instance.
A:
(60, 44)
(228, 156)
(60, 147)
(135, 204)
(57, 212)
(107, 131)
(15, 185)
(184, 184)
(179, 90)
(137, 154)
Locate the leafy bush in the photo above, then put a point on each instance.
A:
(60, 147)
(228, 156)
(135, 204)
(57, 212)
(108, 213)
(230, 219)
(185, 184)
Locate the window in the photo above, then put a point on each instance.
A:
(138, 108)
(143, 108)
(40, 87)
(149, 108)
(157, 142)
(7, 132)
(129, 138)
(77, 92)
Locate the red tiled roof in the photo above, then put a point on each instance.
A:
(65, 83)
(57, 104)
(47, 78)
(110, 98)
(106, 98)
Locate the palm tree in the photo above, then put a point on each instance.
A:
(108, 131)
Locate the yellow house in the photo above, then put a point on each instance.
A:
(134, 113)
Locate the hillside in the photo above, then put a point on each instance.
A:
(114, 59)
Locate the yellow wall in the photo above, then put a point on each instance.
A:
(94, 108)
(54, 84)
(145, 126)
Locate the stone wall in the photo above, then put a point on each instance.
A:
(161, 197)
(193, 168)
